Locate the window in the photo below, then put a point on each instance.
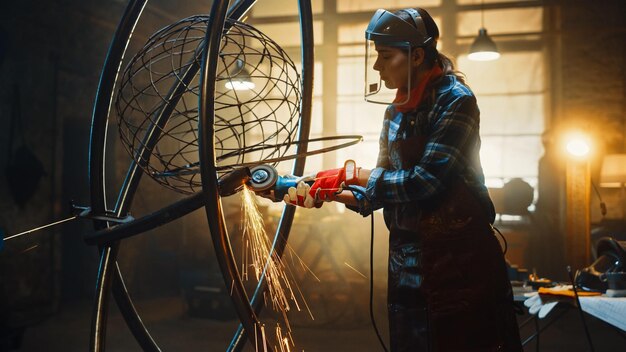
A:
(511, 91)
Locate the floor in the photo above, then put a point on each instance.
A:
(174, 330)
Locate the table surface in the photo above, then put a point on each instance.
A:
(610, 309)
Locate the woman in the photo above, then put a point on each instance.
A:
(448, 289)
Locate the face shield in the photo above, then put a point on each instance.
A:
(381, 83)
(387, 39)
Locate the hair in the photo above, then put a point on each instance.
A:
(432, 55)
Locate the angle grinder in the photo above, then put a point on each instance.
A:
(265, 181)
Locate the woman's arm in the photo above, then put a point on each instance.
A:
(347, 197)
(363, 175)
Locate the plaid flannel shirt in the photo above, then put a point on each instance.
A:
(452, 148)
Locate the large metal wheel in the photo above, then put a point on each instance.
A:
(109, 276)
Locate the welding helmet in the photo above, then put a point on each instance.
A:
(610, 257)
(389, 30)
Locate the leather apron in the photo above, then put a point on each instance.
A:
(448, 288)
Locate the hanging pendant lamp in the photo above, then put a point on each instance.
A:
(483, 48)
(239, 77)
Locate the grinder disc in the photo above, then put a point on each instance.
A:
(263, 178)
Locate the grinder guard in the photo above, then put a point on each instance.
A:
(266, 182)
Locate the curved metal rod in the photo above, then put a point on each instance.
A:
(228, 184)
(194, 167)
(125, 197)
(151, 137)
(239, 8)
(97, 143)
(282, 232)
(213, 207)
(148, 222)
(355, 138)
(108, 265)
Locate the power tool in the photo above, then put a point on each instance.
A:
(264, 180)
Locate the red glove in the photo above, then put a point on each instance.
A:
(329, 183)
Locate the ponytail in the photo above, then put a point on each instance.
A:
(431, 55)
(447, 66)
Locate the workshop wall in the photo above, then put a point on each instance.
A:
(51, 54)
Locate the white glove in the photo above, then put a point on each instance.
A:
(541, 305)
(301, 196)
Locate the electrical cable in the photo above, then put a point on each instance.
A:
(580, 309)
(371, 300)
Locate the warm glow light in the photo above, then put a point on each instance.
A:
(239, 85)
(578, 145)
(484, 56)
(483, 48)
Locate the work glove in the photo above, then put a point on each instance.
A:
(329, 183)
(540, 304)
(301, 196)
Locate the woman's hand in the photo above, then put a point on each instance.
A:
(329, 183)
(301, 196)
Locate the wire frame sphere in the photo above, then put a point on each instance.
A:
(257, 102)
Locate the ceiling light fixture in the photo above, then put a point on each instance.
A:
(483, 48)
(239, 77)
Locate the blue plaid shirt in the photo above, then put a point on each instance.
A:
(451, 126)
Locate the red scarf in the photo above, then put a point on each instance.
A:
(417, 93)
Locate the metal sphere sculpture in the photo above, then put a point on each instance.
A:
(257, 102)
(160, 134)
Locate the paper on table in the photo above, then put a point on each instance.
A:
(610, 309)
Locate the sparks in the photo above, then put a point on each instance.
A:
(263, 260)
(260, 258)
(356, 271)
